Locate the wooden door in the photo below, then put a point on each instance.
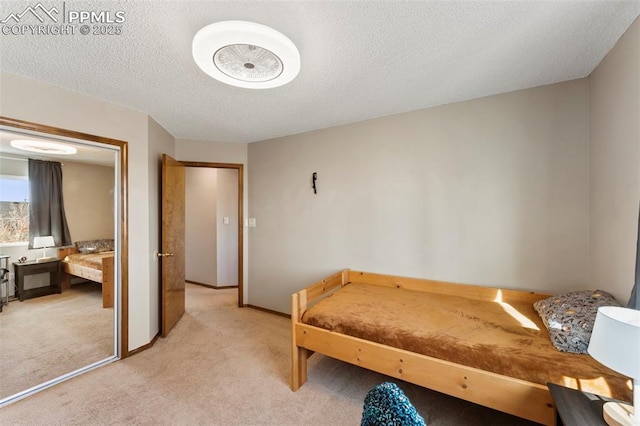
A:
(172, 254)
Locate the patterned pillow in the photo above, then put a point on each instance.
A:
(95, 246)
(569, 317)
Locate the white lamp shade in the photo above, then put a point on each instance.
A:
(43, 242)
(615, 340)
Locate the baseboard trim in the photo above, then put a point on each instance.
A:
(144, 347)
(269, 311)
(214, 287)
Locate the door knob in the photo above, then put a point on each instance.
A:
(165, 254)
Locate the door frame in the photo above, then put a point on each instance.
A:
(123, 291)
(240, 169)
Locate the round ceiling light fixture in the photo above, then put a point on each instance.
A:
(43, 147)
(246, 54)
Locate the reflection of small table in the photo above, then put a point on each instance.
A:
(32, 268)
(577, 408)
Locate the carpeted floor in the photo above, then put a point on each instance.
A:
(223, 365)
(45, 337)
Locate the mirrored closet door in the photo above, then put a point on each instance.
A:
(59, 233)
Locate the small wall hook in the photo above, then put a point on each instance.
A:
(314, 179)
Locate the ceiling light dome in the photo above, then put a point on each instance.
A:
(246, 54)
(43, 147)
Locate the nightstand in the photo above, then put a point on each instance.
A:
(577, 408)
(31, 268)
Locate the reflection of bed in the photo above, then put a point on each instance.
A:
(481, 344)
(96, 267)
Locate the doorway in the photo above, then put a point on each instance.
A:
(116, 152)
(221, 242)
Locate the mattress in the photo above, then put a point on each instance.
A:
(492, 336)
(90, 260)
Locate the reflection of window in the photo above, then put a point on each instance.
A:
(14, 209)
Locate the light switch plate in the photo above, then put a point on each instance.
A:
(252, 222)
(225, 220)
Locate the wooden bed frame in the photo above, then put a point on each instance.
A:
(521, 398)
(104, 276)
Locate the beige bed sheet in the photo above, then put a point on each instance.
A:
(90, 260)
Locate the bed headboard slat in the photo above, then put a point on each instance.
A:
(453, 289)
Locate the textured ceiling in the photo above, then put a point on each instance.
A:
(360, 60)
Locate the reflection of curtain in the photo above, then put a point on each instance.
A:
(634, 301)
(46, 206)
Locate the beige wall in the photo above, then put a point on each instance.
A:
(88, 200)
(227, 234)
(200, 225)
(30, 100)
(615, 166)
(491, 191)
(220, 152)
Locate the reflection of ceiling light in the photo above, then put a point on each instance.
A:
(43, 147)
(246, 54)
